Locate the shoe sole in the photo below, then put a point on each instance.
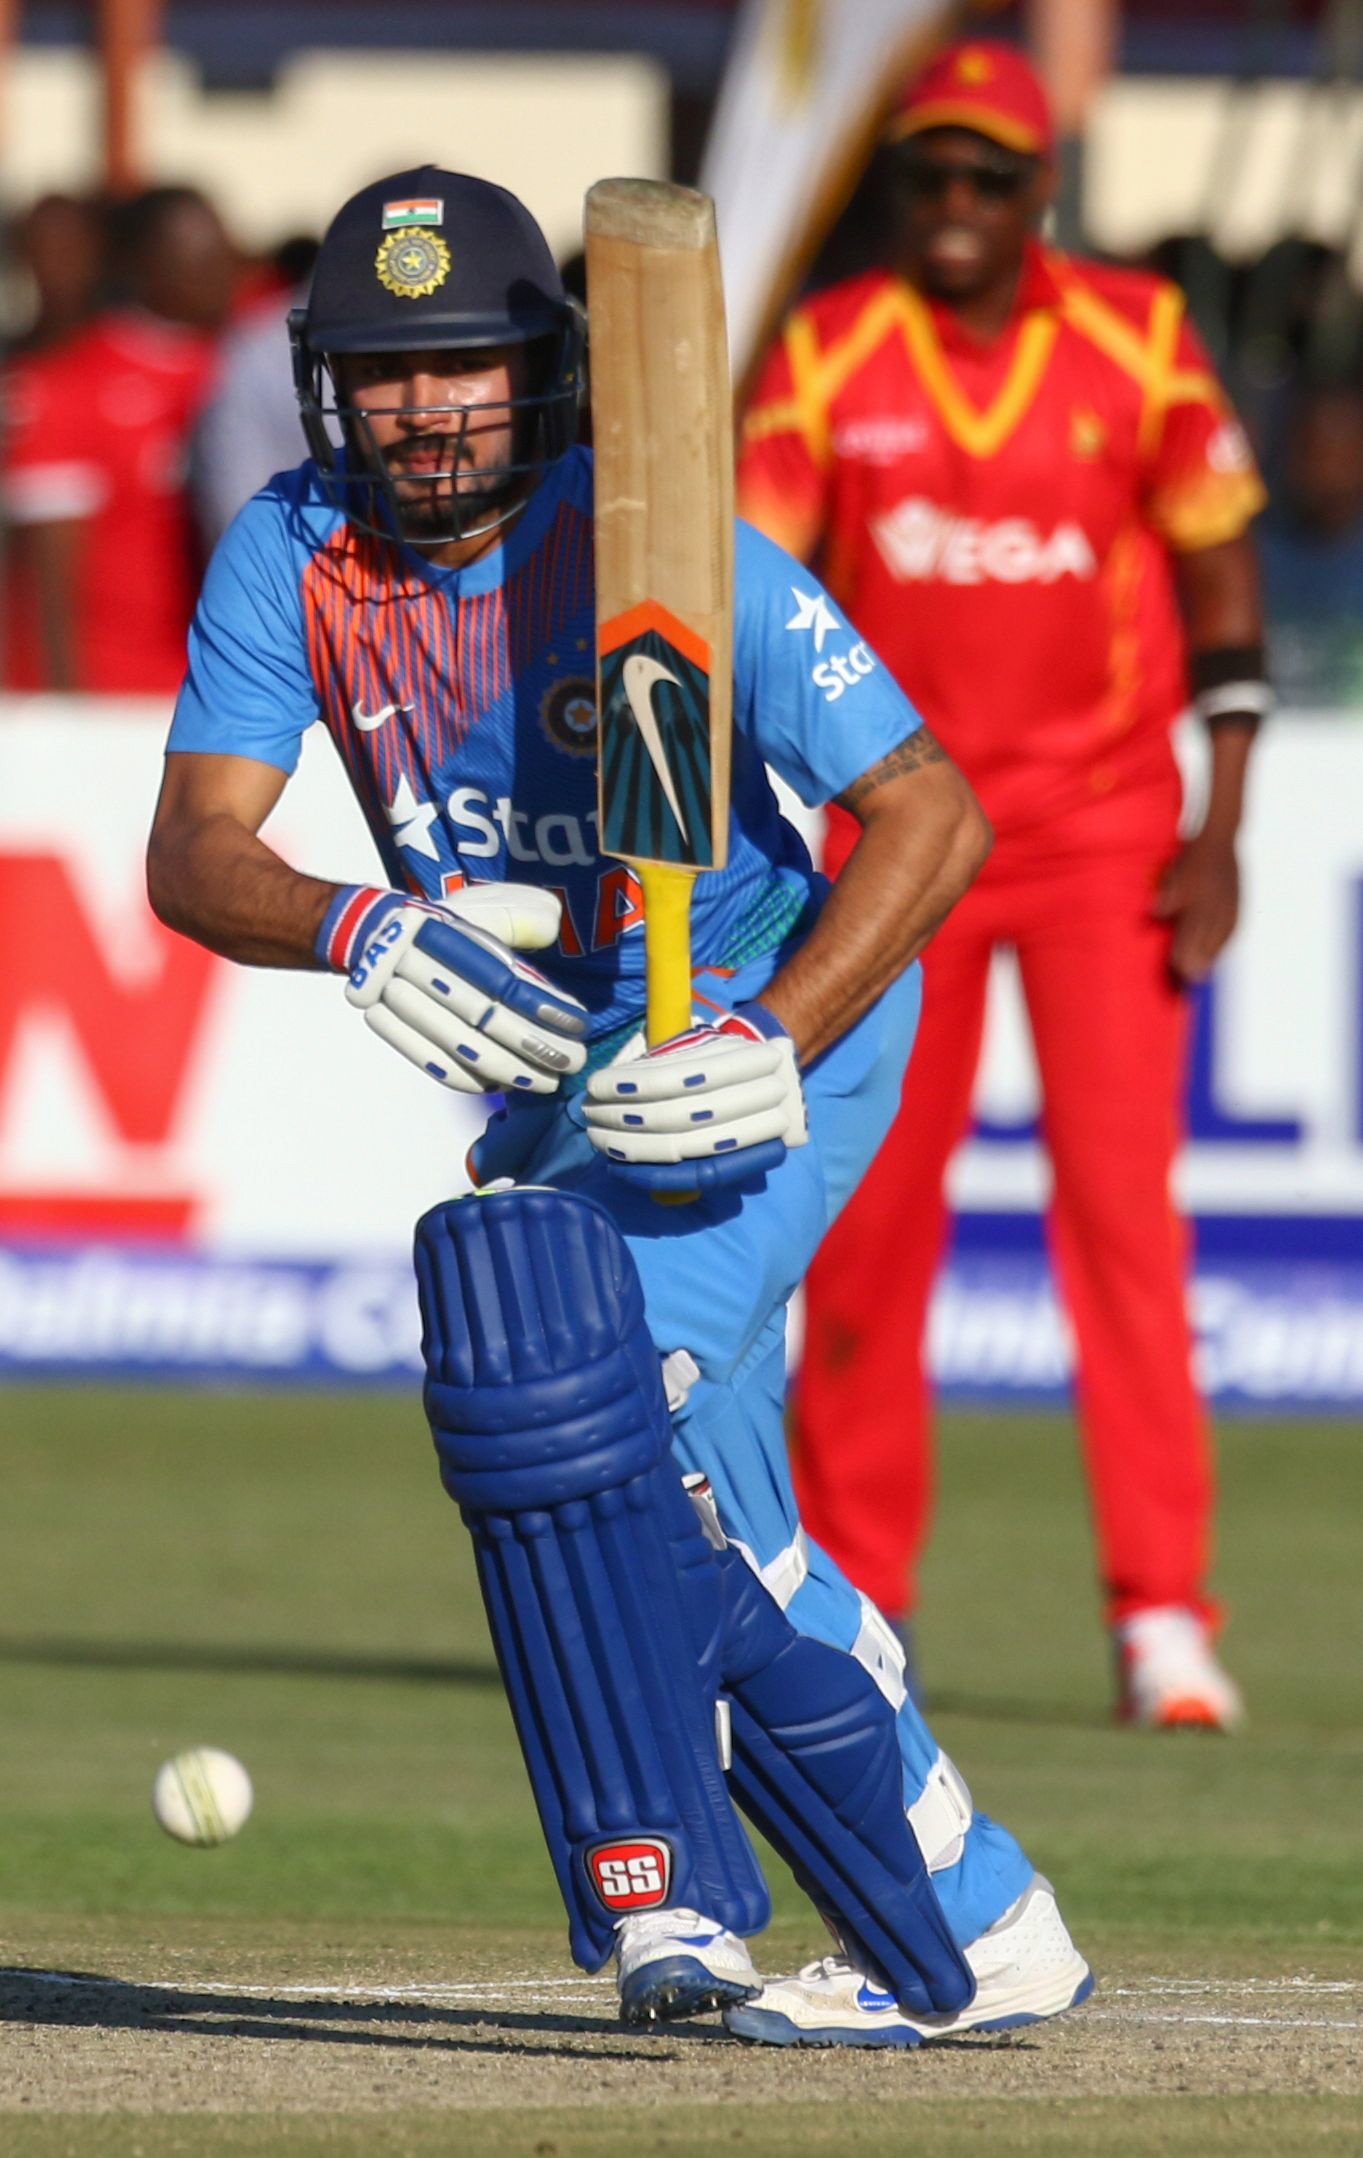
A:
(678, 1986)
(764, 2026)
(1185, 1714)
(1023, 2016)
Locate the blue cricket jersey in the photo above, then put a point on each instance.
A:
(462, 702)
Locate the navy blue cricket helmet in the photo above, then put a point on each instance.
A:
(428, 260)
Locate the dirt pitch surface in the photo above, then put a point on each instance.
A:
(183, 2044)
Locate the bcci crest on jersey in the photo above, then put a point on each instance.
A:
(568, 715)
(656, 778)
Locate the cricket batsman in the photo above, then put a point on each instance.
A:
(1024, 485)
(670, 1648)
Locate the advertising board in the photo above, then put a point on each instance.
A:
(214, 1171)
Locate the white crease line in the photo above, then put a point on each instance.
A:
(1239, 1985)
(583, 1988)
(596, 1992)
(1244, 2023)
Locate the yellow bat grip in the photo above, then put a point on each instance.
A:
(667, 948)
(667, 963)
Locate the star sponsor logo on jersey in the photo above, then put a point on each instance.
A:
(813, 612)
(841, 671)
(880, 438)
(568, 715)
(481, 825)
(412, 820)
(412, 262)
(922, 543)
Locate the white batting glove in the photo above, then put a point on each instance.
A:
(442, 985)
(714, 1106)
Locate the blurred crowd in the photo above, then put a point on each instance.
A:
(146, 393)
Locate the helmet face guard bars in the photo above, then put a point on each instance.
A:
(374, 493)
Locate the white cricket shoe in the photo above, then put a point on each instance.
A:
(1026, 1968)
(1169, 1675)
(676, 1963)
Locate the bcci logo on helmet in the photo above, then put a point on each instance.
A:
(631, 1875)
(412, 262)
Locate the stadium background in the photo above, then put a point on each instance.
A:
(210, 1175)
(174, 1195)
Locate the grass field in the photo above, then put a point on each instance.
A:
(380, 1955)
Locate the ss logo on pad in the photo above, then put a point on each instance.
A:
(631, 1875)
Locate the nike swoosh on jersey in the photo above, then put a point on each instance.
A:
(640, 673)
(368, 721)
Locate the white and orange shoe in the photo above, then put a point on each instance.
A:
(1169, 1675)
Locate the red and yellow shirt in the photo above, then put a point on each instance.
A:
(998, 519)
(97, 435)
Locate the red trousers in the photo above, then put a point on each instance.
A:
(1109, 1028)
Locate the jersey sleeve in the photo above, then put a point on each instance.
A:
(249, 690)
(782, 460)
(818, 705)
(1201, 482)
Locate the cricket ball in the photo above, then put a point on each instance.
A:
(202, 1796)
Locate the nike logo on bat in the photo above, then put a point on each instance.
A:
(368, 721)
(639, 675)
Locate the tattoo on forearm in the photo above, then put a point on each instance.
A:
(917, 749)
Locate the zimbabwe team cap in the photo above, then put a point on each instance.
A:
(428, 258)
(985, 86)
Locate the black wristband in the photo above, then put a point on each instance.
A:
(1230, 685)
(1225, 663)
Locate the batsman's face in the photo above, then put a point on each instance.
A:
(965, 209)
(442, 422)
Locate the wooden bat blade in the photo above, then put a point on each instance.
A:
(662, 426)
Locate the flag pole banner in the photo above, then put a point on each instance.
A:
(806, 88)
(212, 1172)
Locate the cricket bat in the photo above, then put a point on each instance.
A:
(662, 424)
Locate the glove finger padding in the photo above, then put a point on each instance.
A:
(705, 1096)
(420, 1050)
(716, 1062)
(473, 1002)
(759, 1095)
(540, 1042)
(452, 1031)
(663, 1146)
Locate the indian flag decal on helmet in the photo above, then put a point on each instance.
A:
(422, 210)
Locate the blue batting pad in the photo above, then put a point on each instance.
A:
(816, 1766)
(546, 1405)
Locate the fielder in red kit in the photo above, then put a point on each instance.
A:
(1020, 477)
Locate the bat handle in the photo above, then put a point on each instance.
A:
(667, 948)
(667, 963)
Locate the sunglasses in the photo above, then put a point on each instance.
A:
(930, 178)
